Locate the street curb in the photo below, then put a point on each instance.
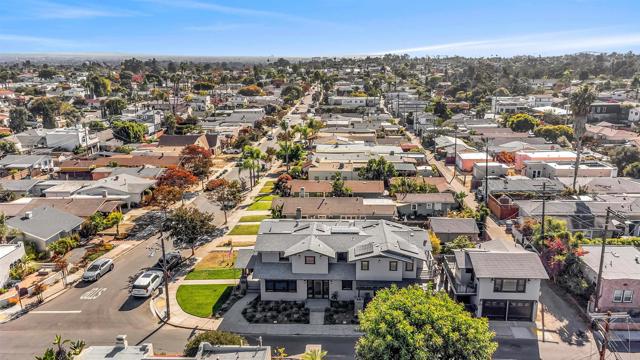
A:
(155, 311)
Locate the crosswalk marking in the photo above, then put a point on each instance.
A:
(92, 294)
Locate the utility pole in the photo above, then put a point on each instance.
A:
(486, 172)
(605, 336)
(544, 203)
(455, 151)
(166, 276)
(602, 251)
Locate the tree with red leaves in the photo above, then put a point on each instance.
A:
(505, 157)
(178, 177)
(197, 160)
(216, 183)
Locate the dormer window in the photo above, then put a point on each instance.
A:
(310, 260)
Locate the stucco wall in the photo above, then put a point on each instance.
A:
(299, 267)
(379, 270)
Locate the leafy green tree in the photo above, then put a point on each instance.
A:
(413, 324)
(461, 242)
(632, 170)
(378, 169)
(553, 132)
(522, 122)
(18, 118)
(8, 147)
(97, 125)
(338, 187)
(290, 151)
(187, 225)
(115, 106)
(47, 108)
(440, 109)
(47, 73)
(129, 131)
(315, 354)
(170, 123)
(213, 337)
(622, 156)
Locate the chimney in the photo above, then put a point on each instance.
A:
(302, 191)
(104, 193)
(121, 342)
(298, 213)
(28, 214)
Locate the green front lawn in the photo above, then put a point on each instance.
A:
(214, 274)
(266, 190)
(266, 197)
(254, 218)
(260, 205)
(251, 229)
(202, 300)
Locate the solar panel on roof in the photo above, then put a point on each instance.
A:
(363, 249)
(407, 247)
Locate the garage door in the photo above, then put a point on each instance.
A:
(494, 309)
(520, 310)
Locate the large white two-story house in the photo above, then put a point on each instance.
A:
(499, 285)
(295, 260)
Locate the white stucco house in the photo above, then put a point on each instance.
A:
(499, 285)
(295, 260)
(9, 255)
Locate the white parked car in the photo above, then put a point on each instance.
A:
(146, 283)
(97, 269)
(231, 151)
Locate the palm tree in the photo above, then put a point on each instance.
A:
(580, 102)
(315, 354)
(305, 133)
(286, 136)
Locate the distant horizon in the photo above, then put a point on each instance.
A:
(328, 28)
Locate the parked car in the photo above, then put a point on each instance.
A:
(97, 269)
(173, 260)
(270, 137)
(231, 151)
(146, 284)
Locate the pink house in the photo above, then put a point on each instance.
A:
(620, 290)
(546, 156)
(466, 160)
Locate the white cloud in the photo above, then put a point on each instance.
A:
(51, 10)
(218, 27)
(232, 10)
(36, 40)
(543, 43)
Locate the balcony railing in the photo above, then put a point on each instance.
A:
(454, 283)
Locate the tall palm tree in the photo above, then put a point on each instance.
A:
(286, 136)
(580, 102)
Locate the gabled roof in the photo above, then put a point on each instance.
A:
(310, 243)
(125, 183)
(507, 265)
(329, 206)
(445, 198)
(445, 225)
(180, 140)
(45, 222)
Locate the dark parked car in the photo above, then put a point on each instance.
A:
(173, 260)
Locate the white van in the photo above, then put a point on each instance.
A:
(146, 283)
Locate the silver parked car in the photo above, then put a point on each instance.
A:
(97, 269)
(147, 283)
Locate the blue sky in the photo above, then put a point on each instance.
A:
(319, 28)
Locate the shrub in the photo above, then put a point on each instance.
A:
(213, 337)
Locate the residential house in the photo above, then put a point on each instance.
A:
(634, 114)
(607, 111)
(466, 160)
(151, 118)
(44, 225)
(83, 207)
(25, 165)
(127, 188)
(545, 156)
(498, 285)
(553, 170)
(146, 172)
(509, 104)
(354, 102)
(19, 188)
(9, 255)
(328, 170)
(611, 135)
(503, 193)
(604, 185)
(71, 138)
(322, 188)
(297, 260)
(335, 208)
(421, 205)
(620, 288)
(123, 351)
(447, 229)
